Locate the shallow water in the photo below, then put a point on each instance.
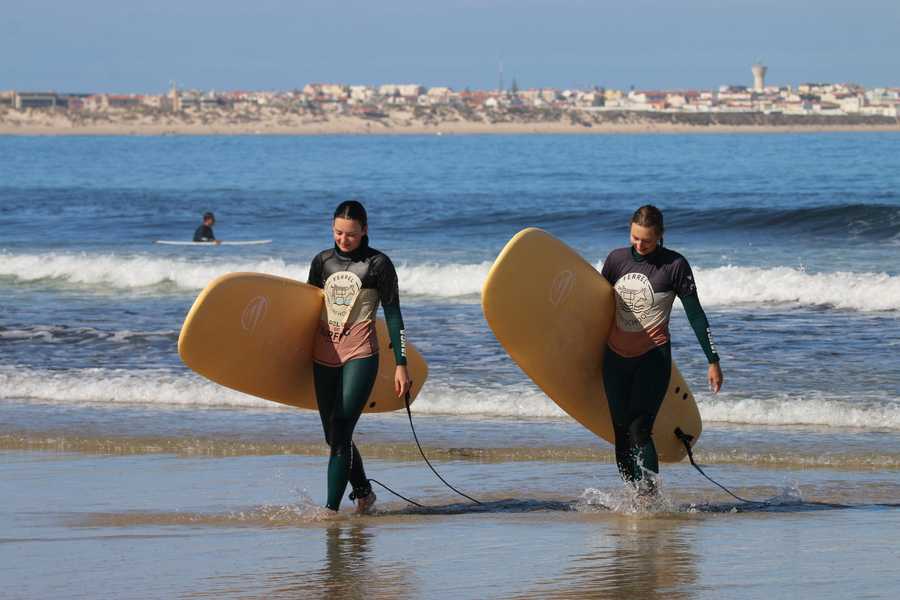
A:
(155, 525)
(122, 474)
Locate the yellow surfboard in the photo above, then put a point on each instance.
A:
(552, 312)
(254, 333)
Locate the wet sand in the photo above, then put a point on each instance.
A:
(239, 518)
(84, 526)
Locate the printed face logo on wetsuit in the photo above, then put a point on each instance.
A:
(634, 302)
(341, 291)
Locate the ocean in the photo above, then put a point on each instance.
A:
(108, 440)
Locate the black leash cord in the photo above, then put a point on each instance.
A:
(413, 502)
(427, 462)
(686, 440)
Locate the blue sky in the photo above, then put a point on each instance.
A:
(135, 46)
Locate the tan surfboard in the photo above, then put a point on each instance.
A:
(254, 333)
(552, 312)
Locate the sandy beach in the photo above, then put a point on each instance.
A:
(275, 122)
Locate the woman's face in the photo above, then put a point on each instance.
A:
(644, 239)
(348, 234)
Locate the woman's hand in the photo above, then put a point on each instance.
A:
(402, 382)
(714, 375)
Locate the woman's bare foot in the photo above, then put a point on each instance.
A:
(365, 505)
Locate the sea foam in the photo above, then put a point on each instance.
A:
(719, 287)
(168, 389)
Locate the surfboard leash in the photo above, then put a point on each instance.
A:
(401, 496)
(685, 439)
(422, 452)
(428, 462)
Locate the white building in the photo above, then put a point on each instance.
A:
(405, 90)
(361, 93)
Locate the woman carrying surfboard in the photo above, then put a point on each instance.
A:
(646, 278)
(355, 278)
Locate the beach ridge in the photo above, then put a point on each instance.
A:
(276, 121)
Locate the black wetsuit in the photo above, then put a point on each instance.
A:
(345, 354)
(638, 358)
(204, 233)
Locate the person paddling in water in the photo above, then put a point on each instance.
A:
(355, 278)
(204, 232)
(646, 278)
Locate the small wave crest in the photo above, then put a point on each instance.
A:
(163, 388)
(721, 286)
(112, 272)
(119, 386)
(872, 412)
(729, 286)
(62, 334)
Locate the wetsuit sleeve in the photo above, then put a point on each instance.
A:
(315, 272)
(389, 294)
(700, 325)
(686, 289)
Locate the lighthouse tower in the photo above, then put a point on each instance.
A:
(759, 77)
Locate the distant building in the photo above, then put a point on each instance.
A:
(613, 98)
(589, 99)
(103, 102)
(119, 101)
(851, 104)
(474, 99)
(439, 95)
(759, 77)
(647, 100)
(152, 101)
(330, 91)
(25, 100)
(405, 90)
(549, 95)
(361, 93)
(676, 99)
(174, 99)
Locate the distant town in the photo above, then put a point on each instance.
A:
(411, 105)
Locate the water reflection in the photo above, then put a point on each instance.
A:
(349, 570)
(630, 558)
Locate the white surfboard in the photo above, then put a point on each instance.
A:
(226, 243)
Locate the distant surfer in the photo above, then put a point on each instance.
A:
(204, 232)
(355, 278)
(638, 359)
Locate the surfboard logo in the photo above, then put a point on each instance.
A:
(254, 313)
(561, 287)
(341, 291)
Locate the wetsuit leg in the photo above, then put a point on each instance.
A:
(342, 393)
(635, 389)
(617, 377)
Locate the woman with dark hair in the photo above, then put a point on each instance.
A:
(646, 278)
(355, 278)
